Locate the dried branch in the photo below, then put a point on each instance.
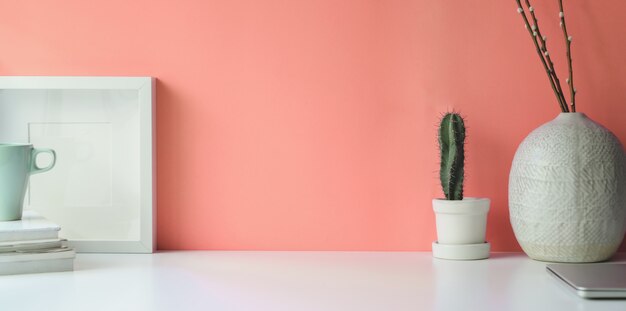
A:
(568, 43)
(544, 48)
(533, 35)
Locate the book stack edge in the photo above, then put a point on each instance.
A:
(32, 245)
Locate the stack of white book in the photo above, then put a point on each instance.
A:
(32, 245)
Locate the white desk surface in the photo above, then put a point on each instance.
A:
(216, 281)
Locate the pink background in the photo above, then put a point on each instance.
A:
(310, 125)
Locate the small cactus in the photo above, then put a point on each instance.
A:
(451, 144)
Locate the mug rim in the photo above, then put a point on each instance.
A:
(15, 145)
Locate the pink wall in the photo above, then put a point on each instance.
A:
(310, 125)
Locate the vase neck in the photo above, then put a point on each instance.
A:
(570, 116)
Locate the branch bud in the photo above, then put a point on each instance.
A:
(531, 9)
(520, 10)
(545, 38)
(546, 53)
(561, 14)
(533, 27)
(569, 38)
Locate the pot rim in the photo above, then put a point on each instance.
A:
(467, 206)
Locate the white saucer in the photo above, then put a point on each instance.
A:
(461, 251)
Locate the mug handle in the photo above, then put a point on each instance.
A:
(34, 169)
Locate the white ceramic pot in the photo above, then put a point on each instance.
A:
(461, 221)
(567, 191)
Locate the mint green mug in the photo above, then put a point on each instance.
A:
(17, 163)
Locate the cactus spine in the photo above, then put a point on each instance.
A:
(451, 144)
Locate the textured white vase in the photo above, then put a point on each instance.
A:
(567, 191)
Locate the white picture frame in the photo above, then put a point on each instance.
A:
(102, 189)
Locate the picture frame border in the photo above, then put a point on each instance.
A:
(146, 90)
